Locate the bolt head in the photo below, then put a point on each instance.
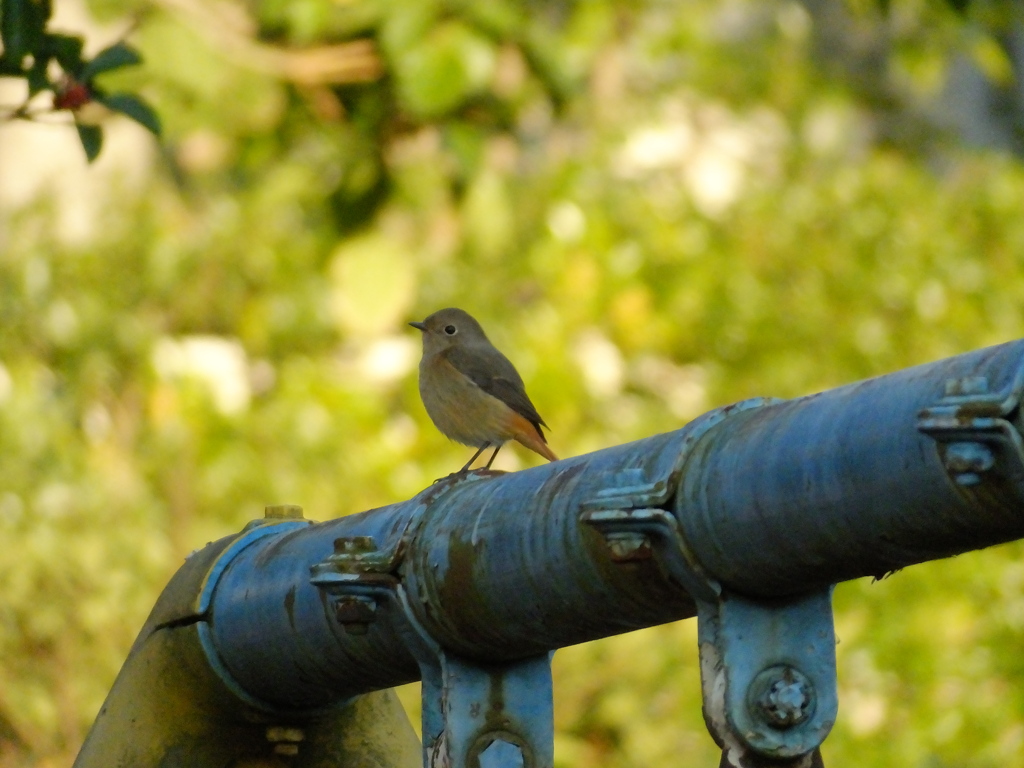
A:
(355, 613)
(283, 512)
(285, 739)
(354, 545)
(284, 733)
(969, 459)
(627, 545)
(781, 697)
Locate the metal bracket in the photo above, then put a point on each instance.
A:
(768, 668)
(475, 715)
(638, 534)
(273, 524)
(634, 528)
(358, 577)
(629, 511)
(628, 488)
(973, 426)
(768, 674)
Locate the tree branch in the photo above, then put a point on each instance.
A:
(227, 26)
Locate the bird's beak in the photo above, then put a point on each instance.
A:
(419, 326)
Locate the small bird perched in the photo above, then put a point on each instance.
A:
(472, 393)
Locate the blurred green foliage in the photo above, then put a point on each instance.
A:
(653, 208)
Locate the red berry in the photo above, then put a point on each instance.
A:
(72, 95)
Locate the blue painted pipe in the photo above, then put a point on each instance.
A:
(853, 482)
(497, 565)
(773, 498)
(273, 636)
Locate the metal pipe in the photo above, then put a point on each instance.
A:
(773, 498)
(497, 567)
(275, 637)
(861, 480)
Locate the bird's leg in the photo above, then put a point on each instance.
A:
(483, 448)
(493, 455)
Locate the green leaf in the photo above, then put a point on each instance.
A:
(8, 67)
(36, 77)
(542, 54)
(91, 137)
(67, 49)
(446, 67)
(407, 26)
(116, 56)
(21, 27)
(133, 107)
(500, 19)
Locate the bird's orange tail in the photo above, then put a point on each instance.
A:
(524, 433)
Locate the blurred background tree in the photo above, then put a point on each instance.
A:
(654, 208)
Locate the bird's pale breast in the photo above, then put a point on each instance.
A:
(459, 408)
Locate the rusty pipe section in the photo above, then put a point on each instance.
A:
(768, 498)
(503, 568)
(861, 480)
(495, 566)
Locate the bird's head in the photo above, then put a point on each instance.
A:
(447, 328)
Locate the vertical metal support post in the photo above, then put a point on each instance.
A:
(768, 670)
(768, 676)
(489, 715)
(481, 715)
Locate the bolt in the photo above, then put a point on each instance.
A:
(354, 545)
(628, 545)
(355, 613)
(283, 512)
(781, 696)
(285, 740)
(966, 461)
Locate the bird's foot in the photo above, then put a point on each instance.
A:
(479, 472)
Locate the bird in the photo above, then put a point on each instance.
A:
(471, 391)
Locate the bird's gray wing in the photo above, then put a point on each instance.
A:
(494, 374)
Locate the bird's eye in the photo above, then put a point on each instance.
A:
(451, 330)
